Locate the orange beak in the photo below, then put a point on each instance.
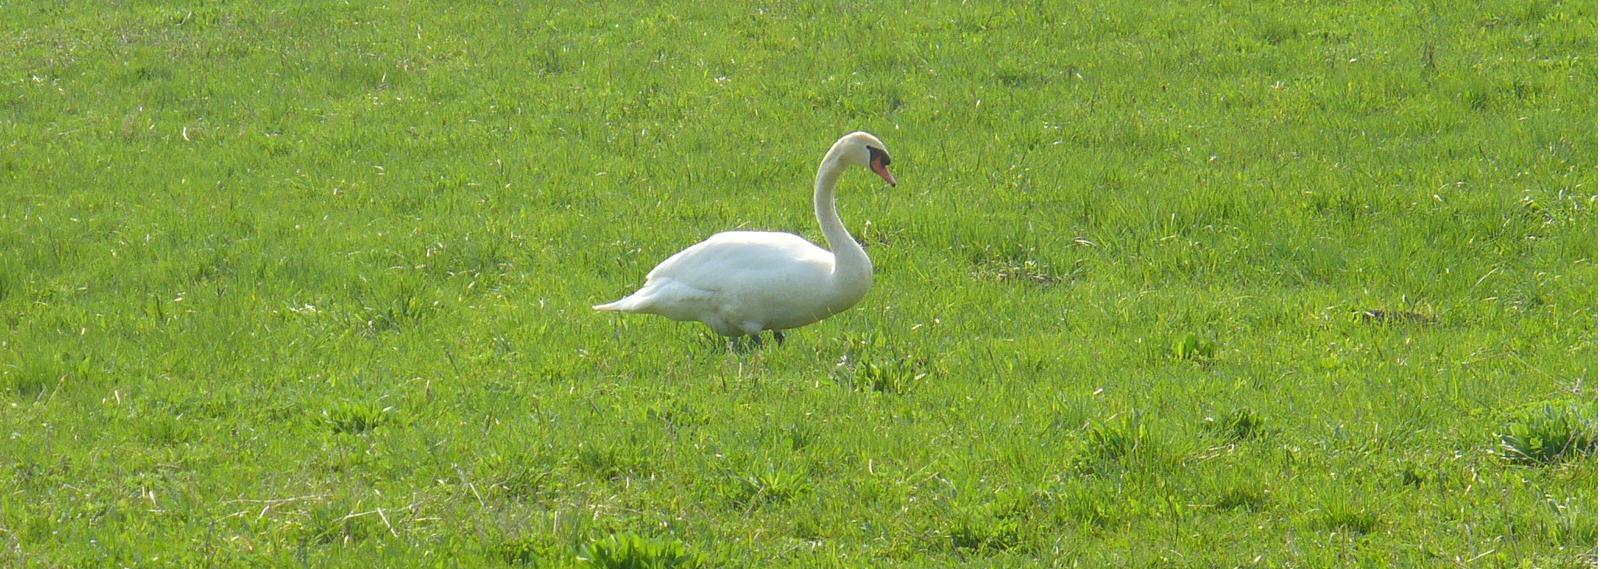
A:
(882, 170)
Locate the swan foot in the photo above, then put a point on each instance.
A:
(747, 343)
(741, 345)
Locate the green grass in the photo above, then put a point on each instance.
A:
(1188, 285)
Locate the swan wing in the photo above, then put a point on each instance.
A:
(740, 259)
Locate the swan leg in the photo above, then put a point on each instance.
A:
(746, 343)
(741, 345)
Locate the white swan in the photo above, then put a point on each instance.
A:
(743, 282)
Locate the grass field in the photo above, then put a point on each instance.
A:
(1285, 284)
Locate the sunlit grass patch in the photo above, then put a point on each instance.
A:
(308, 284)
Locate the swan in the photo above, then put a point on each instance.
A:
(740, 283)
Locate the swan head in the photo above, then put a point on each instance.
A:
(862, 149)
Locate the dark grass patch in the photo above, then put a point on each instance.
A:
(869, 366)
(379, 313)
(632, 551)
(1027, 271)
(675, 414)
(983, 532)
(1019, 259)
(1195, 348)
(1115, 439)
(28, 381)
(1546, 433)
(1381, 316)
(610, 462)
(1250, 498)
(1345, 516)
(526, 476)
(1417, 476)
(331, 523)
(40, 374)
(163, 430)
(8, 282)
(528, 551)
(1237, 425)
(1088, 507)
(772, 483)
(893, 376)
(993, 525)
(797, 436)
(354, 418)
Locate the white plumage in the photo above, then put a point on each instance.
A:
(743, 282)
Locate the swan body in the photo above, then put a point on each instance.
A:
(743, 282)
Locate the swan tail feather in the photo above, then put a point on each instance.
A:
(621, 305)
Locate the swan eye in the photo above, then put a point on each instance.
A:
(877, 154)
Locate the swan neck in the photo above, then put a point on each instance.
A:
(850, 261)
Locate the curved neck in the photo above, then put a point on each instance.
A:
(850, 261)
